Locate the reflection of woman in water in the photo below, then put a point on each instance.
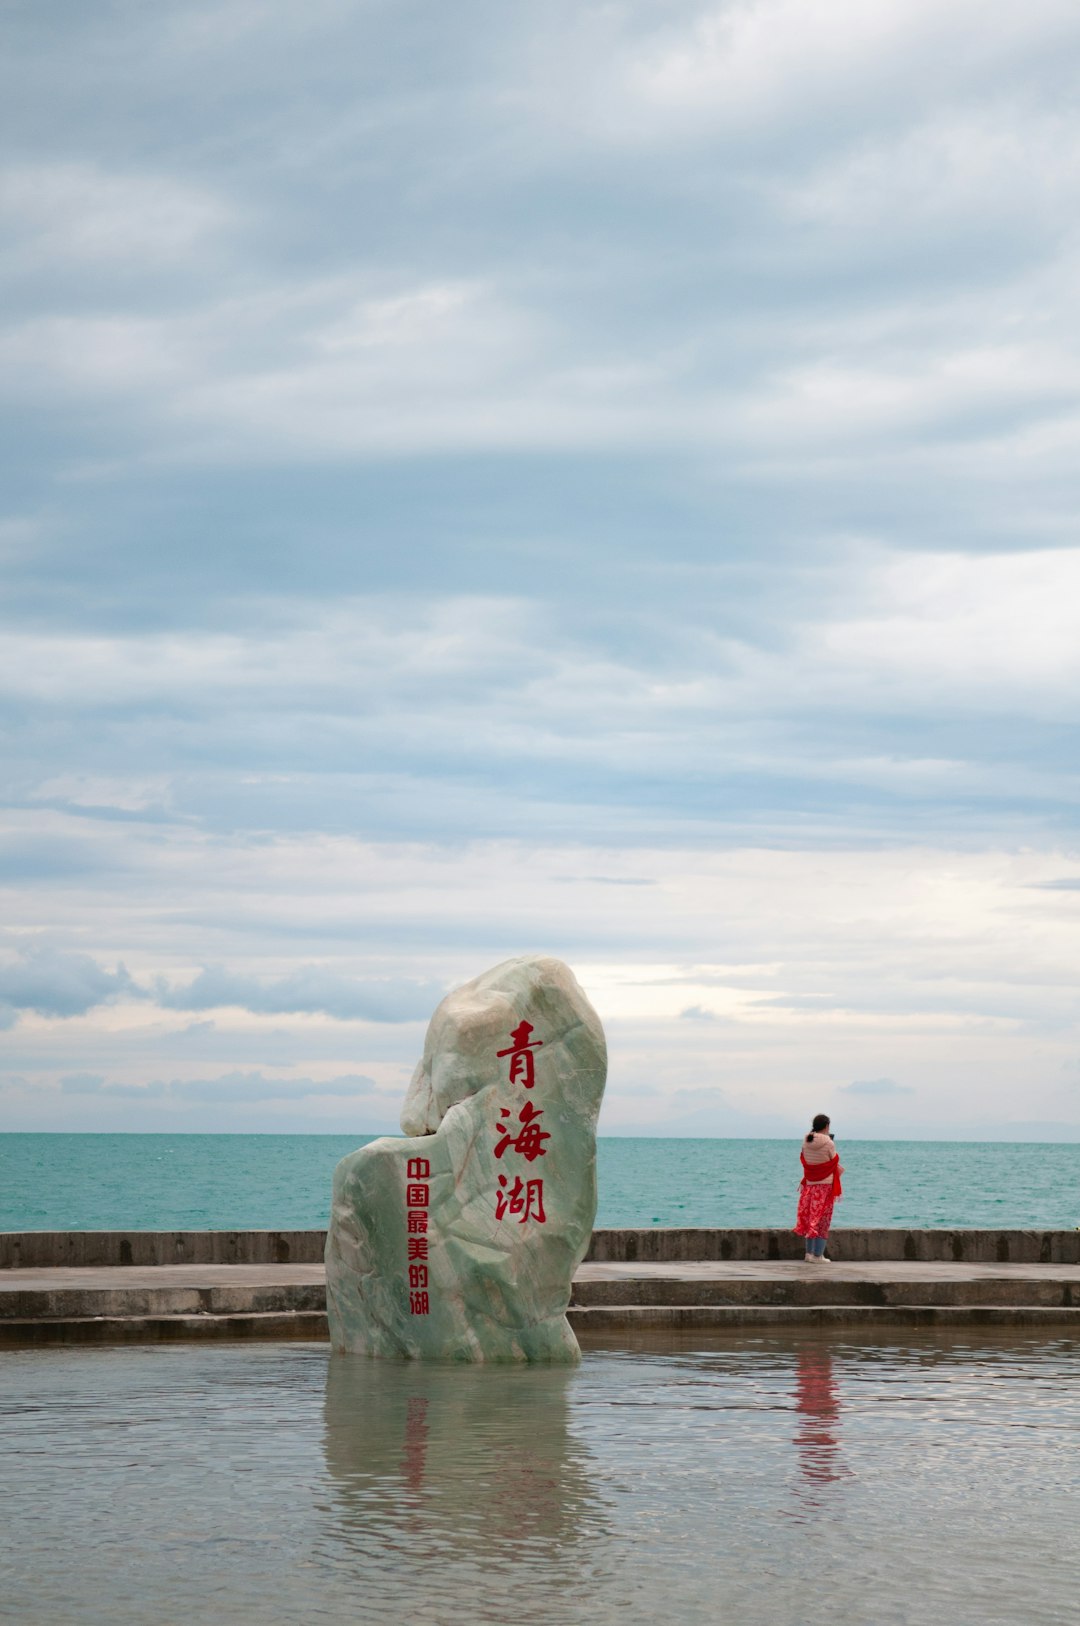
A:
(818, 1405)
(819, 1189)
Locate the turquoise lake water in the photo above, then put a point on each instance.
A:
(237, 1182)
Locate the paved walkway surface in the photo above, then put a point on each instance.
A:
(771, 1270)
(765, 1270)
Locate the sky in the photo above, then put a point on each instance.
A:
(597, 479)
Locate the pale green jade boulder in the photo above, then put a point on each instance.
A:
(461, 1241)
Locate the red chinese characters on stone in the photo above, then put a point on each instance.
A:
(529, 1140)
(525, 1200)
(417, 1198)
(521, 1054)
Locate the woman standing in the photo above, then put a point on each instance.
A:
(819, 1189)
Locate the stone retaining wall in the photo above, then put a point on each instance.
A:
(664, 1244)
(44, 1250)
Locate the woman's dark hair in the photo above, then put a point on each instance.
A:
(820, 1122)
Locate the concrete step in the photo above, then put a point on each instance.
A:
(127, 1302)
(824, 1287)
(788, 1318)
(594, 1322)
(160, 1329)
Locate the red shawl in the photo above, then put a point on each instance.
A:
(814, 1172)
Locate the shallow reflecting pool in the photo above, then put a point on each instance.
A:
(751, 1481)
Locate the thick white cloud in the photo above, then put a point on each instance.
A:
(748, 72)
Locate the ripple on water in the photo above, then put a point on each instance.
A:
(750, 1481)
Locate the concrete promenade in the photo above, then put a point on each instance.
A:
(137, 1303)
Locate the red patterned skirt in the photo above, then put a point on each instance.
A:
(815, 1208)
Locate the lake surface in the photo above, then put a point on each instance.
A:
(282, 1182)
(761, 1482)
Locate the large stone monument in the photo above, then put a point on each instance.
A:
(460, 1242)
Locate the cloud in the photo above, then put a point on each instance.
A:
(48, 858)
(94, 1084)
(309, 989)
(52, 982)
(772, 84)
(677, 485)
(876, 1087)
(619, 880)
(299, 337)
(119, 797)
(704, 1111)
(82, 1083)
(785, 723)
(83, 214)
(229, 1087)
(256, 1086)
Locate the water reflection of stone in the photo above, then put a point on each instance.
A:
(449, 1466)
(817, 1437)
